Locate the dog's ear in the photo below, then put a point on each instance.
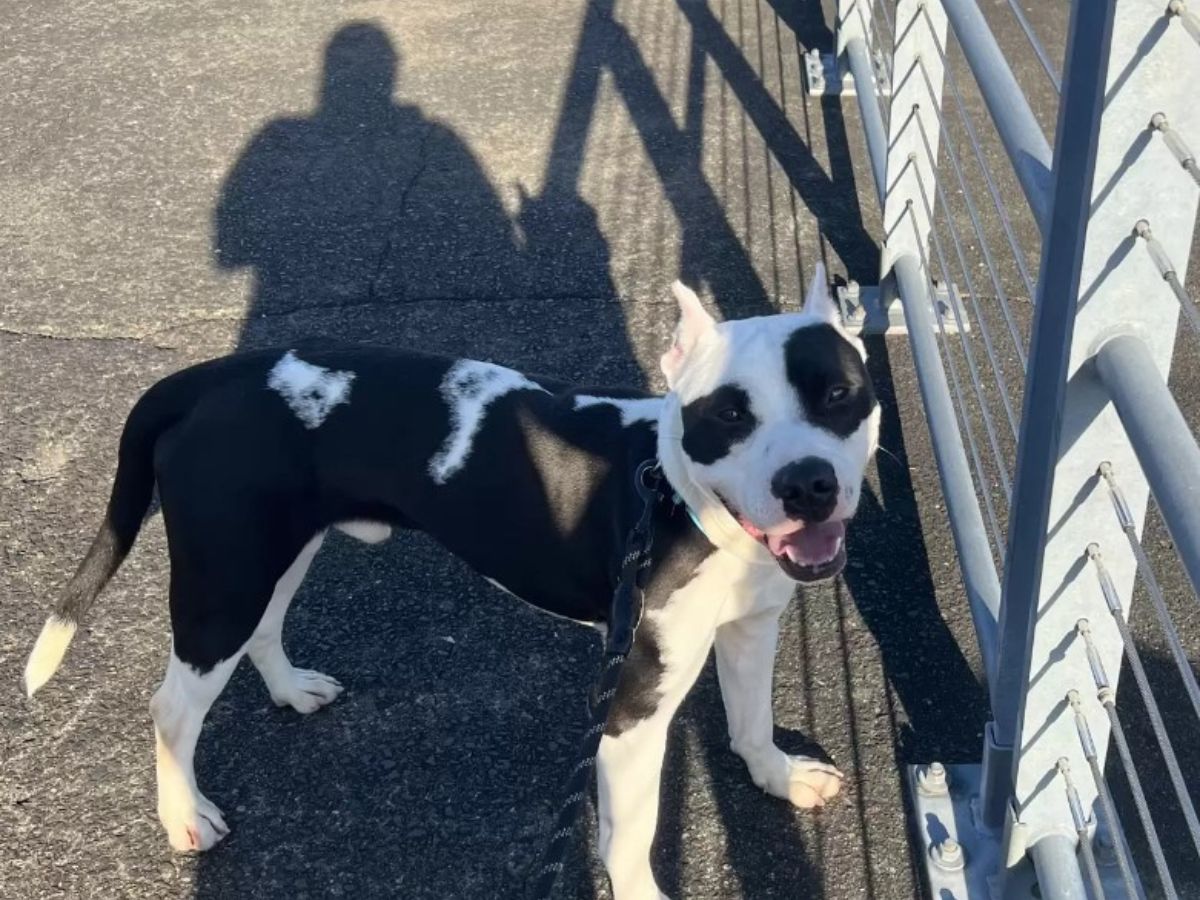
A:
(820, 302)
(694, 323)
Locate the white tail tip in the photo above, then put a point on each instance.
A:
(683, 293)
(48, 653)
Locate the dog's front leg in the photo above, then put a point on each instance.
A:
(667, 657)
(629, 770)
(745, 668)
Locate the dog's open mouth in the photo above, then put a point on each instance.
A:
(809, 551)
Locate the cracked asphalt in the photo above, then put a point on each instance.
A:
(518, 183)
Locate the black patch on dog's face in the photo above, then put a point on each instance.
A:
(830, 378)
(714, 423)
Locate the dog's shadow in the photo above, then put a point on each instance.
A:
(437, 771)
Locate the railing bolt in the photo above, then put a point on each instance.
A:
(948, 855)
(932, 779)
(816, 68)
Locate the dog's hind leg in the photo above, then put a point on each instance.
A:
(304, 690)
(226, 561)
(179, 706)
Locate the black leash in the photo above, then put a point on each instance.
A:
(623, 621)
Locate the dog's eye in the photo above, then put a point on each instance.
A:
(730, 414)
(837, 394)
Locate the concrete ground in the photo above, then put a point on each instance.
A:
(518, 182)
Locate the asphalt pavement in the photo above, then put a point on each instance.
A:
(517, 182)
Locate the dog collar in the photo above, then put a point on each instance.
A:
(679, 501)
(704, 508)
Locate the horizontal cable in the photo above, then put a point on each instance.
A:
(972, 366)
(974, 214)
(1125, 518)
(1020, 132)
(871, 30)
(891, 30)
(1178, 147)
(1187, 18)
(989, 179)
(972, 292)
(1109, 590)
(1081, 829)
(1166, 269)
(1038, 49)
(1108, 698)
(1106, 802)
(961, 408)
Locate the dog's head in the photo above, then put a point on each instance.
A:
(775, 419)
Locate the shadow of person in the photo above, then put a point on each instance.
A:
(366, 201)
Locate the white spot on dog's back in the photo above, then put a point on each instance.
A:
(311, 392)
(469, 388)
(633, 409)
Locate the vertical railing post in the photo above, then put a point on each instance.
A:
(854, 50)
(905, 80)
(1032, 560)
(918, 31)
(846, 26)
(920, 38)
(1120, 69)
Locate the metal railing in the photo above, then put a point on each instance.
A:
(1050, 449)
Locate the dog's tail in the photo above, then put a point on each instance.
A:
(132, 490)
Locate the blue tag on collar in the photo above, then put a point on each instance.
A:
(691, 514)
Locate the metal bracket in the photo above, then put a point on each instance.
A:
(865, 310)
(827, 75)
(956, 854)
(964, 860)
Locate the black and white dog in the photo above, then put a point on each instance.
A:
(764, 436)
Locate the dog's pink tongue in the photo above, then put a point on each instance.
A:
(812, 545)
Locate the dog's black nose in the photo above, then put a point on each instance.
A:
(808, 489)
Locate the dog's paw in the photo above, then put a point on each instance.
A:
(306, 691)
(811, 782)
(195, 826)
(801, 780)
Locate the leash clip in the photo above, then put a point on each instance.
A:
(626, 612)
(648, 480)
